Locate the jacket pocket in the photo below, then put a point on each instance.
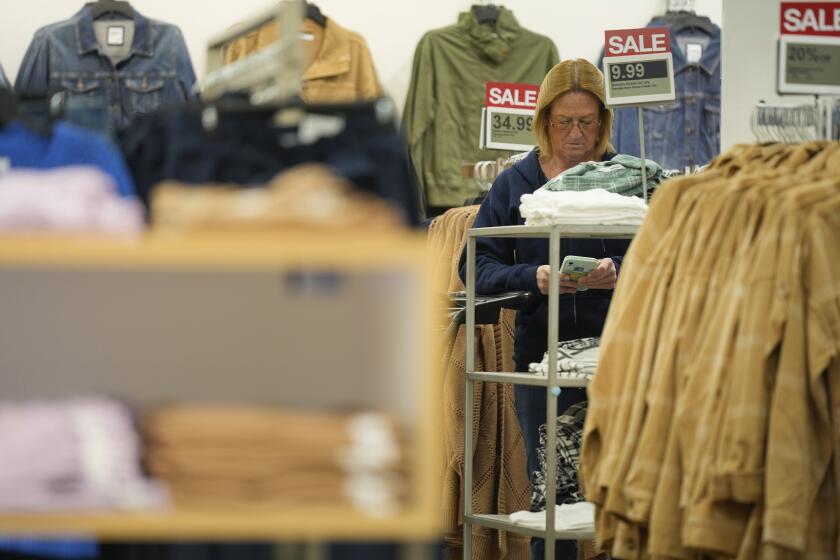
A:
(82, 86)
(144, 94)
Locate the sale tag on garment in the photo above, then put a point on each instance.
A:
(509, 116)
(809, 48)
(638, 66)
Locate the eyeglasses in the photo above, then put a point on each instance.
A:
(566, 125)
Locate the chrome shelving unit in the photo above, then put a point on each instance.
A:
(552, 382)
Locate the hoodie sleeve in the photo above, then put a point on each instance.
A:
(496, 268)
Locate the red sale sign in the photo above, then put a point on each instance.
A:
(631, 42)
(512, 96)
(811, 18)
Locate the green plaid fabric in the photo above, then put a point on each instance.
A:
(622, 174)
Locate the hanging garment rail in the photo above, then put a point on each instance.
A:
(788, 123)
(270, 75)
(485, 172)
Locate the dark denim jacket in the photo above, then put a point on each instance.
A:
(66, 57)
(687, 133)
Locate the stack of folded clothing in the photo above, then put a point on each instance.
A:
(306, 196)
(82, 200)
(73, 455)
(578, 517)
(594, 193)
(594, 207)
(576, 359)
(238, 455)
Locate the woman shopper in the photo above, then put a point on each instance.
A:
(572, 125)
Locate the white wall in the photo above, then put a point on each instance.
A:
(749, 65)
(392, 28)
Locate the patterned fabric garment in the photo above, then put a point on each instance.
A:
(622, 174)
(576, 359)
(569, 435)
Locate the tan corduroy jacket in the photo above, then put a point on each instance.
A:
(339, 67)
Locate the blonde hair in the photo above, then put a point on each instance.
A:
(577, 75)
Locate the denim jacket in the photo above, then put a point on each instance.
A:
(66, 57)
(687, 133)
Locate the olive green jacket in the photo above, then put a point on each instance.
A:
(442, 116)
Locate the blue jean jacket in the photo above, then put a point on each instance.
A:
(66, 57)
(687, 133)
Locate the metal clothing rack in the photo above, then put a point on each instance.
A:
(792, 123)
(270, 75)
(485, 172)
(552, 382)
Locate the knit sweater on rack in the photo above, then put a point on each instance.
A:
(499, 467)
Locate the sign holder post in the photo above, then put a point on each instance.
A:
(642, 150)
(639, 71)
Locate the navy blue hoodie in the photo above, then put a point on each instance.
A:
(505, 264)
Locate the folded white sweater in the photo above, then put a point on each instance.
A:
(594, 207)
(568, 517)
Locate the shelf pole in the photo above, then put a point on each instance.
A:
(552, 390)
(469, 397)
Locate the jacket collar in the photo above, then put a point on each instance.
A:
(710, 60)
(335, 56)
(493, 41)
(143, 43)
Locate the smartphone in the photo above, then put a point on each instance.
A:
(575, 267)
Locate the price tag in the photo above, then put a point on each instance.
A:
(638, 66)
(809, 48)
(509, 116)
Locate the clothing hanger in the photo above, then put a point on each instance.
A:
(108, 7)
(680, 21)
(314, 13)
(681, 16)
(486, 13)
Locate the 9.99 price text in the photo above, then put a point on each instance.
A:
(627, 71)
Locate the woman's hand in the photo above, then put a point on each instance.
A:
(602, 278)
(566, 286)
